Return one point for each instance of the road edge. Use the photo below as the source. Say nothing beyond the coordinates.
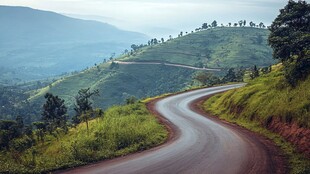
(280, 161)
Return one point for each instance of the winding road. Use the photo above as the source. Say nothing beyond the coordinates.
(200, 145)
(167, 64)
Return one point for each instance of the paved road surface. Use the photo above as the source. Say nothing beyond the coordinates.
(167, 64)
(201, 146)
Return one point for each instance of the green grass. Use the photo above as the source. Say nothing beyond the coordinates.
(263, 98)
(116, 85)
(122, 130)
(144, 81)
(219, 47)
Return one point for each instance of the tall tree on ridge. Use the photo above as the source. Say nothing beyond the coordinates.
(289, 39)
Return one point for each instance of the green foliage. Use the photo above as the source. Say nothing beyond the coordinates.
(123, 130)
(217, 47)
(213, 48)
(114, 65)
(8, 131)
(214, 24)
(83, 106)
(234, 75)
(254, 72)
(54, 113)
(13, 102)
(289, 38)
(266, 70)
(265, 97)
(131, 100)
(21, 144)
(206, 78)
(269, 95)
(204, 26)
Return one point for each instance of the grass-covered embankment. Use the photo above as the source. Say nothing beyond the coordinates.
(269, 106)
(122, 130)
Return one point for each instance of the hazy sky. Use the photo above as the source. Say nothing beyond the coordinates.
(159, 17)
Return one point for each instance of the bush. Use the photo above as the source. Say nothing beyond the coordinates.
(21, 144)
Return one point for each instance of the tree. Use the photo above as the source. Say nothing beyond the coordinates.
(83, 105)
(214, 24)
(240, 23)
(229, 24)
(181, 34)
(239, 74)
(41, 129)
(204, 26)
(20, 125)
(266, 70)
(254, 72)
(131, 100)
(230, 76)
(252, 24)
(244, 22)
(114, 65)
(134, 47)
(206, 78)
(8, 131)
(162, 40)
(289, 39)
(126, 51)
(54, 113)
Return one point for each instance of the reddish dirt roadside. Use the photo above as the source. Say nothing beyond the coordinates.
(280, 162)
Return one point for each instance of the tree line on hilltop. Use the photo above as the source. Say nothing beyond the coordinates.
(205, 26)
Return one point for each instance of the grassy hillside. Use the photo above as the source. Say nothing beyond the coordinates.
(270, 106)
(115, 85)
(123, 81)
(121, 130)
(218, 47)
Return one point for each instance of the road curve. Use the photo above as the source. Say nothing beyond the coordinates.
(202, 145)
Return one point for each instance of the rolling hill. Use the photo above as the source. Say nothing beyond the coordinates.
(36, 44)
(213, 48)
(118, 82)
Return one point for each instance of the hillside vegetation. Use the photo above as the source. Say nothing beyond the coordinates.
(116, 82)
(121, 130)
(270, 103)
(36, 44)
(224, 47)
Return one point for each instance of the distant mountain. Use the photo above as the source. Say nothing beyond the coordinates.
(154, 31)
(35, 44)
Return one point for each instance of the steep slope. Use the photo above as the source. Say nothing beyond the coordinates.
(117, 84)
(269, 102)
(213, 48)
(119, 81)
(35, 44)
